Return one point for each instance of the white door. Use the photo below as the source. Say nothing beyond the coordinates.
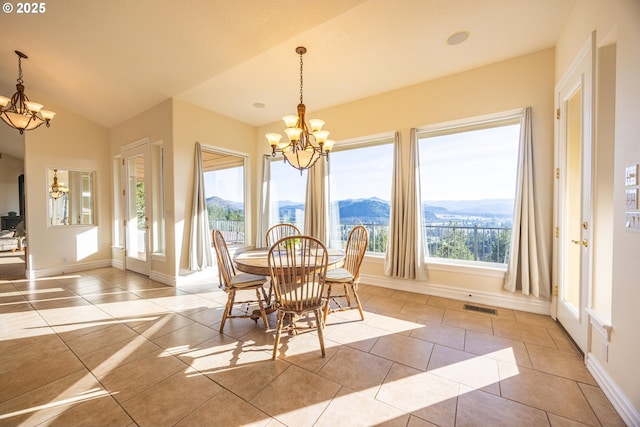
(136, 220)
(573, 197)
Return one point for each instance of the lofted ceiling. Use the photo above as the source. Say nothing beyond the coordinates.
(110, 60)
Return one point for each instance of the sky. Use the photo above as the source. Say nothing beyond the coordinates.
(485, 164)
(227, 184)
(287, 183)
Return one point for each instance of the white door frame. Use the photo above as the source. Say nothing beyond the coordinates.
(580, 75)
(132, 150)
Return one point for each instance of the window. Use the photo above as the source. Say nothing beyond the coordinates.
(468, 182)
(75, 204)
(287, 197)
(360, 191)
(224, 193)
(157, 199)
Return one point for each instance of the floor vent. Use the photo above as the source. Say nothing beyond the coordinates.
(480, 309)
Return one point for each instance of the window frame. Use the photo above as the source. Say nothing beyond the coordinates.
(246, 188)
(279, 158)
(494, 120)
(386, 138)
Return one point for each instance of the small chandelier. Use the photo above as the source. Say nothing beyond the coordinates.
(305, 146)
(20, 113)
(57, 189)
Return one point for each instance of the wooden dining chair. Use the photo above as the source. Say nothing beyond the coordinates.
(279, 231)
(347, 277)
(232, 281)
(298, 265)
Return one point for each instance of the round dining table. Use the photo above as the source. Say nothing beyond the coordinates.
(255, 260)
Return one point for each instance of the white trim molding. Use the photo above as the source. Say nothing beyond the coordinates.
(598, 325)
(504, 300)
(616, 396)
(163, 278)
(69, 268)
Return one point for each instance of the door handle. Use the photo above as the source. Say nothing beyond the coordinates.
(584, 242)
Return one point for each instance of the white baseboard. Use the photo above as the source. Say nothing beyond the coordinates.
(618, 399)
(515, 301)
(68, 268)
(115, 263)
(163, 278)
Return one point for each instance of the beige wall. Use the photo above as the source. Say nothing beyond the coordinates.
(155, 125)
(10, 169)
(75, 143)
(615, 22)
(516, 83)
(194, 124)
(178, 125)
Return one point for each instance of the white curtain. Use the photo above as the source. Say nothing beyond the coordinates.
(264, 213)
(404, 257)
(528, 268)
(200, 237)
(316, 206)
(414, 247)
(395, 244)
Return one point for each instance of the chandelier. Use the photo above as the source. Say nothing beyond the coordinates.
(306, 143)
(20, 113)
(57, 189)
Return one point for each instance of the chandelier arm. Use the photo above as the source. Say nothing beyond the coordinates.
(18, 100)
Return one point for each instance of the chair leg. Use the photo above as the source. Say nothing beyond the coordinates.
(355, 295)
(346, 296)
(267, 298)
(232, 300)
(326, 305)
(320, 324)
(262, 311)
(278, 330)
(227, 309)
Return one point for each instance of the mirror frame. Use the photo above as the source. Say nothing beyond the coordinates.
(78, 204)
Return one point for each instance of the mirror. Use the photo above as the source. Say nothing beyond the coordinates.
(70, 197)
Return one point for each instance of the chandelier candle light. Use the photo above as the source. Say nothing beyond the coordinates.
(20, 113)
(305, 146)
(57, 189)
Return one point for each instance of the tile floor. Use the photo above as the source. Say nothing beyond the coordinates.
(113, 348)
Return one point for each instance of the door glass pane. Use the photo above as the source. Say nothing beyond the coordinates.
(136, 215)
(574, 198)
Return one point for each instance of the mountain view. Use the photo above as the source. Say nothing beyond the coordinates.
(488, 212)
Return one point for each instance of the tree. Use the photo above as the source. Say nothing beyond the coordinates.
(140, 205)
(452, 244)
(500, 246)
